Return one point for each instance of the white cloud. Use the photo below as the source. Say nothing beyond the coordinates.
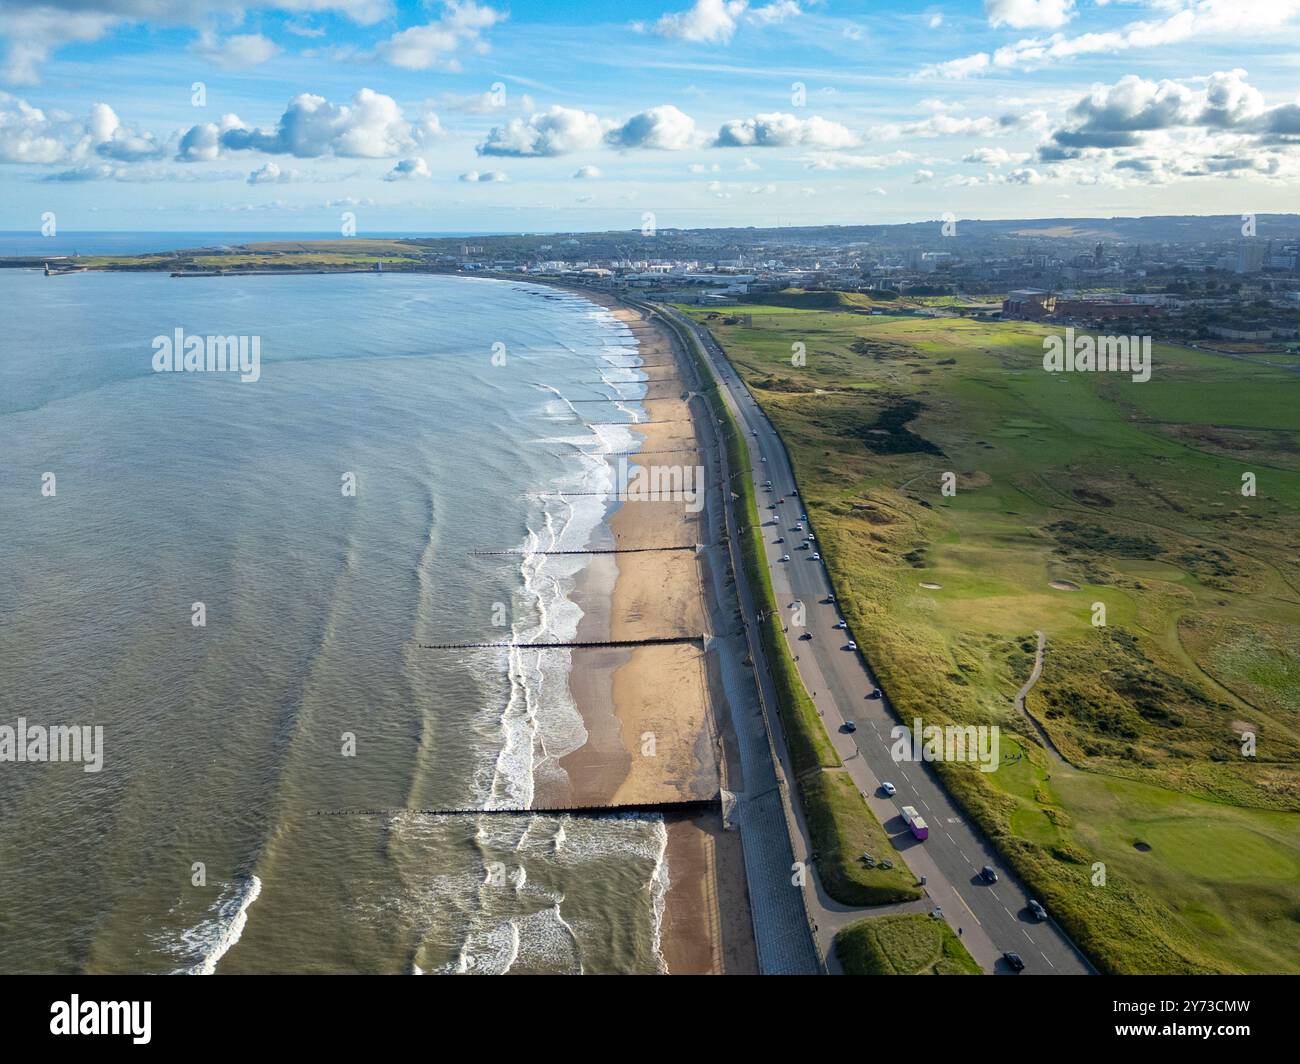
(408, 170)
(994, 157)
(587, 173)
(840, 161)
(1025, 176)
(475, 176)
(663, 127)
(1236, 20)
(34, 31)
(271, 174)
(552, 132)
(237, 52)
(372, 126)
(716, 21)
(1029, 14)
(1161, 131)
(709, 21)
(784, 130)
(30, 135)
(775, 12)
(435, 44)
(957, 68)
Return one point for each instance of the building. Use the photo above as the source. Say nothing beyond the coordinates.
(1250, 257)
(1029, 303)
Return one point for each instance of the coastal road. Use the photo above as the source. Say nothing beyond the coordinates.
(993, 918)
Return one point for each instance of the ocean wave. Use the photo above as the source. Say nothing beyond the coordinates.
(213, 938)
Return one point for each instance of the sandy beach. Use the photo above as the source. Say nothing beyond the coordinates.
(656, 718)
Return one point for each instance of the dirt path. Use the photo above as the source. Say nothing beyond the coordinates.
(1023, 693)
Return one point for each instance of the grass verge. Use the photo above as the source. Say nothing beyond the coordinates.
(906, 944)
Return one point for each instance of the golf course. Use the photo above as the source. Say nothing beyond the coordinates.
(967, 500)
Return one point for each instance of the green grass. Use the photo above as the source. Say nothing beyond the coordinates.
(843, 828)
(905, 944)
(1131, 492)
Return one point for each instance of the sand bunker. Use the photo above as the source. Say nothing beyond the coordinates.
(1063, 585)
(929, 586)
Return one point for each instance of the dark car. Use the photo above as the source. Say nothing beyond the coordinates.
(1039, 912)
(1014, 961)
(849, 726)
(875, 693)
(989, 874)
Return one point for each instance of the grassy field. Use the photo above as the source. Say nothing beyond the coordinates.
(282, 255)
(1074, 493)
(907, 944)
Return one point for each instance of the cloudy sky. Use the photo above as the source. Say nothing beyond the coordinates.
(545, 115)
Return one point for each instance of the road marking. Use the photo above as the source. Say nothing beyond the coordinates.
(1026, 934)
(925, 803)
(994, 893)
(966, 859)
(968, 908)
(1008, 911)
(1046, 957)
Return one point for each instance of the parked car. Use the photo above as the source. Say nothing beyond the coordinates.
(816, 557)
(1039, 912)
(798, 527)
(853, 645)
(936, 913)
(841, 624)
(888, 788)
(849, 726)
(989, 874)
(874, 693)
(1013, 961)
(785, 557)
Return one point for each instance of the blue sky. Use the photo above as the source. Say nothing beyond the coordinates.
(572, 115)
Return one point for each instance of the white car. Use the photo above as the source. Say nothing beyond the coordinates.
(853, 645)
(785, 557)
(888, 788)
(762, 458)
(816, 557)
(841, 624)
(798, 528)
(811, 536)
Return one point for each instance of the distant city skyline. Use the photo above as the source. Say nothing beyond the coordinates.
(170, 115)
